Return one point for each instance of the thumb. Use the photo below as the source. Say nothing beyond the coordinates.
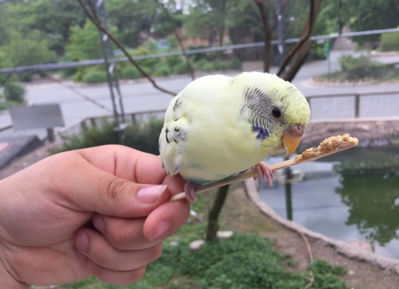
(90, 189)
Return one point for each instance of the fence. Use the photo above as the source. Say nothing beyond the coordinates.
(355, 105)
(324, 107)
(66, 65)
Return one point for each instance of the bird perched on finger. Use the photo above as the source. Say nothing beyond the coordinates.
(218, 126)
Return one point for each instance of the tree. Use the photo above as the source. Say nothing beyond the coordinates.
(207, 19)
(52, 18)
(360, 15)
(84, 43)
(29, 50)
(133, 19)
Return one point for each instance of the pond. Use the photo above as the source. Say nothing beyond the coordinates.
(346, 196)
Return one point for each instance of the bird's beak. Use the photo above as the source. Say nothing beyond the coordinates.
(291, 138)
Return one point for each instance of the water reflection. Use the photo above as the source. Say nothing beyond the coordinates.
(371, 195)
(346, 197)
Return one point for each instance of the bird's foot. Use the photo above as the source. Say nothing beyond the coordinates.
(264, 171)
(190, 190)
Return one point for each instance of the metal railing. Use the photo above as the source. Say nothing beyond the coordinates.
(65, 65)
(391, 104)
(136, 117)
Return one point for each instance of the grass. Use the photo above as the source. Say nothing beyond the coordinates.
(243, 261)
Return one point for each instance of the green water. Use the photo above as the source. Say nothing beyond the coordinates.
(369, 187)
(350, 195)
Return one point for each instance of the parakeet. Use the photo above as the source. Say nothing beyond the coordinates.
(218, 126)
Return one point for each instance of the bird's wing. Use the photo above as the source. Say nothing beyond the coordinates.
(191, 102)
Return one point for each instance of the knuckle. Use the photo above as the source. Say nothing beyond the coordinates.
(137, 275)
(114, 187)
(118, 237)
(157, 252)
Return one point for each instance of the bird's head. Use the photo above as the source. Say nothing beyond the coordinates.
(275, 108)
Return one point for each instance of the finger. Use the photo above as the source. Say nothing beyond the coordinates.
(87, 188)
(127, 163)
(119, 278)
(165, 220)
(131, 164)
(100, 252)
(123, 234)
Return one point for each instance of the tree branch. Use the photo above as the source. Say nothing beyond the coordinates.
(179, 39)
(96, 21)
(267, 33)
(301, 49)
(304, 38)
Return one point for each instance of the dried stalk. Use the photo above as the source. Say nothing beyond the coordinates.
(96, 21)
(310, 256)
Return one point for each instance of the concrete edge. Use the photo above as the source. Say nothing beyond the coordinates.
(344, 248)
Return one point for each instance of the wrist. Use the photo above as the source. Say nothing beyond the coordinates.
(7, 280)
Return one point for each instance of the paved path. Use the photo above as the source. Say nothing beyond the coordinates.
(79, 100)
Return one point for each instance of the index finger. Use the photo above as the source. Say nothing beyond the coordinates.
(133, 165)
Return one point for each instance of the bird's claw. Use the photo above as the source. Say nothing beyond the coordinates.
(264, 171)
(190, 190)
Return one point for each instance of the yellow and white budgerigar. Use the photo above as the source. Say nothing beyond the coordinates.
(218, 126)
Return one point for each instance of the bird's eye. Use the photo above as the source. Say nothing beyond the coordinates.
(276, 112)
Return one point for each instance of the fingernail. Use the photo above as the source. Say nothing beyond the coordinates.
(99, 224)
(82, 242)
(150, 194)
(160, 230)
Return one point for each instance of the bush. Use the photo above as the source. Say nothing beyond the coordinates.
(130, 72)
(389, 42)
(143, 137)
(204, 65)
(220, 65)
(94, 76)
(161, 69)
(357, 68)
(235, 63)
(14, 91)
(180, 68)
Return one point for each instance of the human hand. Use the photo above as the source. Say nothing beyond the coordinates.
(45, 211)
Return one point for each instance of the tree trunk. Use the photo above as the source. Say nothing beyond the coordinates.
(267, 35)
(213, 216)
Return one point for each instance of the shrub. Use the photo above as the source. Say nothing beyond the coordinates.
(94, 76)
(362, 67)
(204, 65)
(161, 69)
(389, 42)
(130, 72)
(220, 65)
(143, 137)
(235, 63)
(180, 68)
(14, 91)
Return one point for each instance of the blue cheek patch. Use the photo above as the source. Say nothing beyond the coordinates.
(262, 132)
